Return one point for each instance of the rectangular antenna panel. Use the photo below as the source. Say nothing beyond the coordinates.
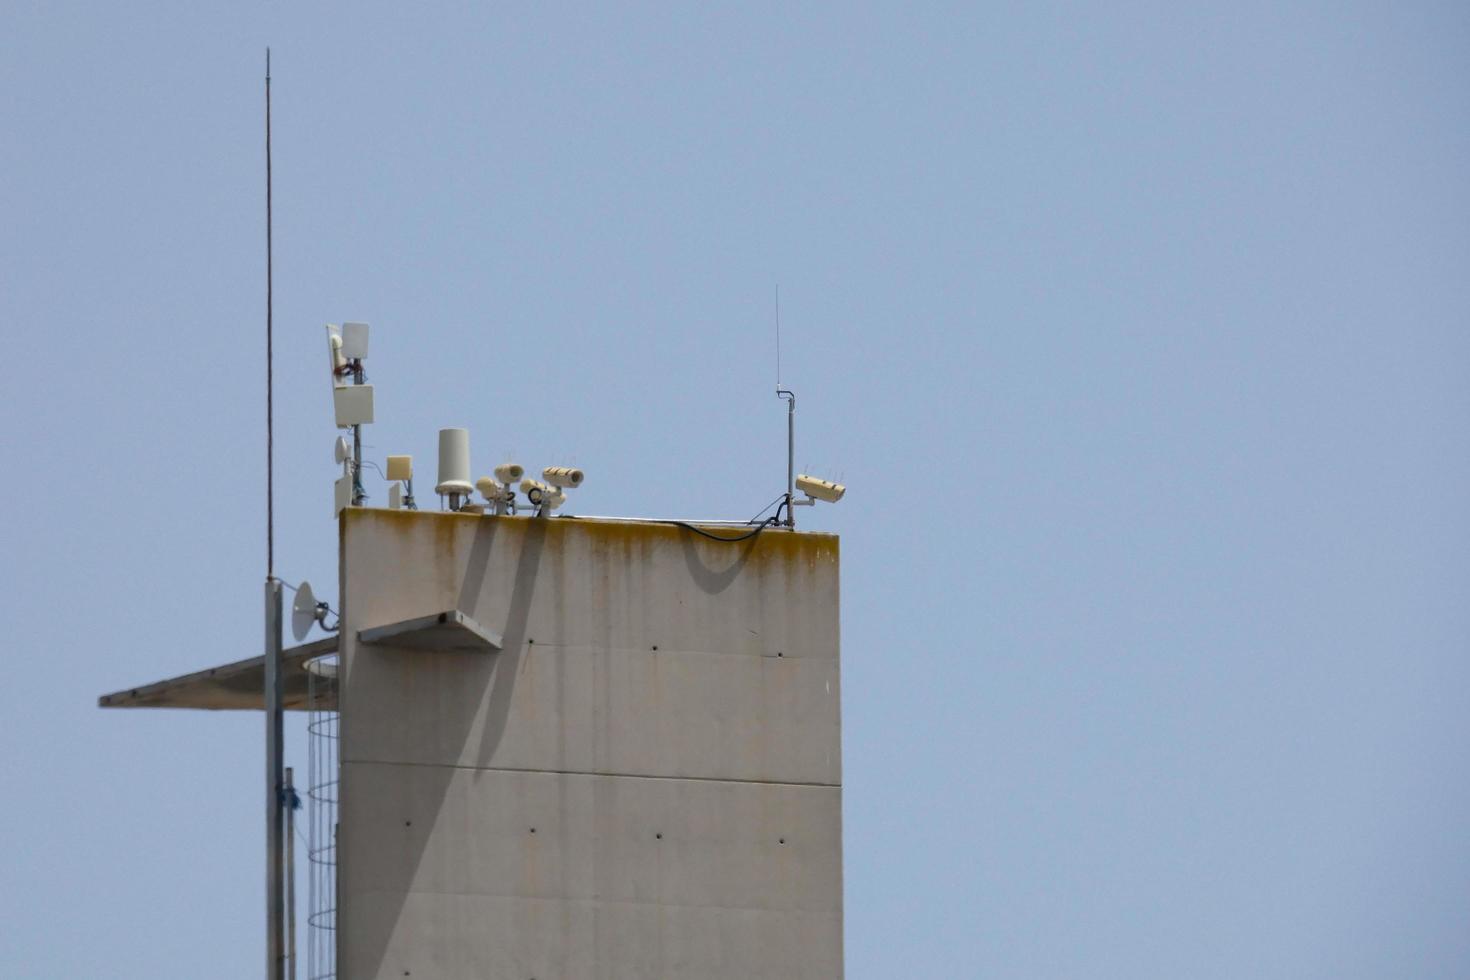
(354, 340)
(354, 405)
(342, 495)
(400, 467)
(395, 497)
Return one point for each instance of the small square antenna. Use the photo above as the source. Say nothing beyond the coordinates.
(354, 340)
(400, 467)
(353, 404)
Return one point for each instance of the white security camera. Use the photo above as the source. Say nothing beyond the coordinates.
(566, 477)
(820, 489)
(546, 498)
(502, 497)
(488, 488)
(509, 474)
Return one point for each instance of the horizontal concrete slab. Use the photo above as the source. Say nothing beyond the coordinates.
(238, 686)
(450, 631)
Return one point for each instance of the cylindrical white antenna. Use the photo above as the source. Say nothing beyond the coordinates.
(454, 465)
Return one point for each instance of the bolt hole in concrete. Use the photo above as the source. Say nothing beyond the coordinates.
(533, 830)
(408, 823)
(658, 836)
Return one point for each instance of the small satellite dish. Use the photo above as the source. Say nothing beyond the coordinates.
(342, 450)
(303, 612)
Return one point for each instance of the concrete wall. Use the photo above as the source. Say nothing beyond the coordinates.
(645, 782)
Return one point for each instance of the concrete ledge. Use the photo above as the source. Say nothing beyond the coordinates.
(450, 631)
(238, 686)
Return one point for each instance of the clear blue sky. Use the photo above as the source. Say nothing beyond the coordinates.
(1138, 332)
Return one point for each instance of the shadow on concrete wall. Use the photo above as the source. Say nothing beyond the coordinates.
(715, 565)
(432, 783)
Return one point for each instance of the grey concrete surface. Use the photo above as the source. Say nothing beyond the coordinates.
(645, 782)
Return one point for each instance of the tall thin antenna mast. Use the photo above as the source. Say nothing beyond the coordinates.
(275, 893)
(270, 447)
(790, 398)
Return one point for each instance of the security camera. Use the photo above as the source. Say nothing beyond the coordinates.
(562, 476)
(820, 489)
(509, 474)
(546, 498)
(502, 497)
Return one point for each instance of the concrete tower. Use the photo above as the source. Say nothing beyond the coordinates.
(575, 749)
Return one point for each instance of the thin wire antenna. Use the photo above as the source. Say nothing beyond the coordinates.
(270, 445)
(790, 399)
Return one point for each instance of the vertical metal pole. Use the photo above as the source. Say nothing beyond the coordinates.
(790, 454)
(274, 911)
(275, 903)
(290, 807)
(359, 495)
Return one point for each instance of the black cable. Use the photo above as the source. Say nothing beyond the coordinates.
(720, 537)
(767, 507)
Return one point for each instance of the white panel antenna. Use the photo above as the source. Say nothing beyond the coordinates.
(354, 341)
(352, 399)
(353, 405)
